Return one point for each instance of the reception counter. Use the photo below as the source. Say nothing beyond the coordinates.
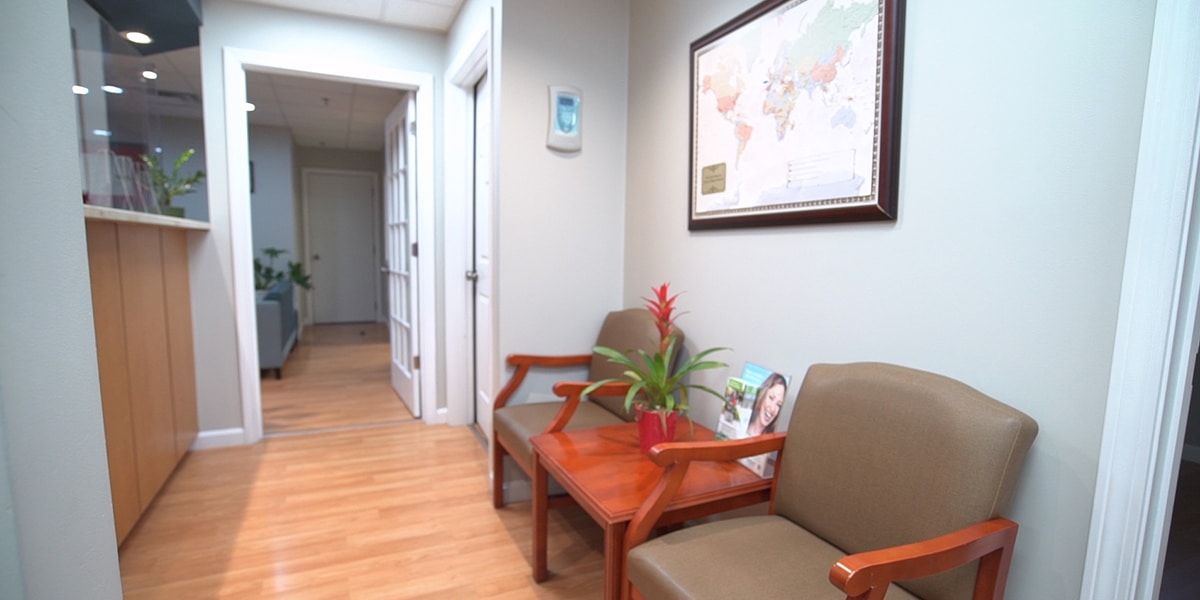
(142, 303)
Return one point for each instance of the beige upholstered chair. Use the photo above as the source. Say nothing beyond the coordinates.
(905, 471)
(512, 426)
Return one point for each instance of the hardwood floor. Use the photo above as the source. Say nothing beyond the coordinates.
(397, 512)
(339, 376)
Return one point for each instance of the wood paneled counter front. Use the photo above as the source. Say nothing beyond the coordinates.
(141, 301)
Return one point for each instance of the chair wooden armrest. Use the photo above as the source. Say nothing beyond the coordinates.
(868, 574)
(572, 394)
(675, 458)
(523, 362)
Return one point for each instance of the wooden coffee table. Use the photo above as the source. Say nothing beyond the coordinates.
(605, 472)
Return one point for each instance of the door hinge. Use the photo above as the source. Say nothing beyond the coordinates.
(412, 128)
(414, 249)
(416, 362)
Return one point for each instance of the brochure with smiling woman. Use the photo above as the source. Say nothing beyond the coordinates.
(753, 404)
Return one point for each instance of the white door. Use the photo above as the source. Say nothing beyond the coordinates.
(342, 257)
(481, 271)
(400, 233)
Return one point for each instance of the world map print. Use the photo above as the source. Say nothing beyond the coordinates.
(785, 110)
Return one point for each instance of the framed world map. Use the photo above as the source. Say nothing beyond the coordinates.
(795, 115)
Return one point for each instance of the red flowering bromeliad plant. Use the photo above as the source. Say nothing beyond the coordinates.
(654, 386)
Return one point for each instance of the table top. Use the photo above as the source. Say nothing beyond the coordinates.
(605, 471)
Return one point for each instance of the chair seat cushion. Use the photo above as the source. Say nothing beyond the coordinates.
(749, 557)
(514, 425)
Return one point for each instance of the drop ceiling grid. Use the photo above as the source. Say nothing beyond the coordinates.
(436, 15)
(297, 103)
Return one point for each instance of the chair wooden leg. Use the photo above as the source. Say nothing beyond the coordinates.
(992, 576)
(497, 473)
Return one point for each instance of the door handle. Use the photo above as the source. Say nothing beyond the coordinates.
(472, 276)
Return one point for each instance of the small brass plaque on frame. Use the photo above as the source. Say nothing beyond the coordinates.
(712, 179)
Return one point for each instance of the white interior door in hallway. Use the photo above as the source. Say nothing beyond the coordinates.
(481, 271)
(342, 226)
(400, 234)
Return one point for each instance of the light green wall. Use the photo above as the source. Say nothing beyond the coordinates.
(273, 212)
(1020, 125)
(56, 527)
(12, 584)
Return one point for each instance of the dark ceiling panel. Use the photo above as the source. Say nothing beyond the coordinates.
(173, 24)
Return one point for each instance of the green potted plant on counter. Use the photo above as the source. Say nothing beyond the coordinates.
(166, 185)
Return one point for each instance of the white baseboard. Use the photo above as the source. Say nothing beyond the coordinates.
(219, 438)
(1191, 453)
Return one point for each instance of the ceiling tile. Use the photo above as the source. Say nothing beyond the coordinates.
(365, 143)
(376, 105)
(358, 9)
(365, 129)
(367, 91)
(422, 15)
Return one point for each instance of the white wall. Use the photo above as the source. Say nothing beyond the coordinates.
(320, 40)
(56, 526)
(1004, 269)
(560, 216)
(348, 160)
(272, 203)
(325, 158)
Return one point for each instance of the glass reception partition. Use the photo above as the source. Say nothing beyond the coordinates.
(136, 114)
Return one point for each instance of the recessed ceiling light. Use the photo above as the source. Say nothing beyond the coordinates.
(102, 132)
(112, 89)
(250, 107)
(79, 90)
(148, 74)
(137, 37)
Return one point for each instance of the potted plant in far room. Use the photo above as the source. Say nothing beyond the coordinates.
(266, 275)
(658, 393)
(166, 185)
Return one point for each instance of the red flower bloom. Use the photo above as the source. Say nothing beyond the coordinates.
(662, 307)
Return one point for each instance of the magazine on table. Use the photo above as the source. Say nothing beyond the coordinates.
(752, 405)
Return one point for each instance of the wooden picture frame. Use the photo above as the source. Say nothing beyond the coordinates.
(795, 115)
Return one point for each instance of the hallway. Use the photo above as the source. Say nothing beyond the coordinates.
(337, 377)
(373, 505)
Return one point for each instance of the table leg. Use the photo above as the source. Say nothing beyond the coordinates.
(614, 560)
(540, 497)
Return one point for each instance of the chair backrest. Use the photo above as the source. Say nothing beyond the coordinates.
(879, 455)
(626, 330)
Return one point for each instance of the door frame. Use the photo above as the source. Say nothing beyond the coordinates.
(1156, 339)
(459, 159)
(376, 228)
(237, 151)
